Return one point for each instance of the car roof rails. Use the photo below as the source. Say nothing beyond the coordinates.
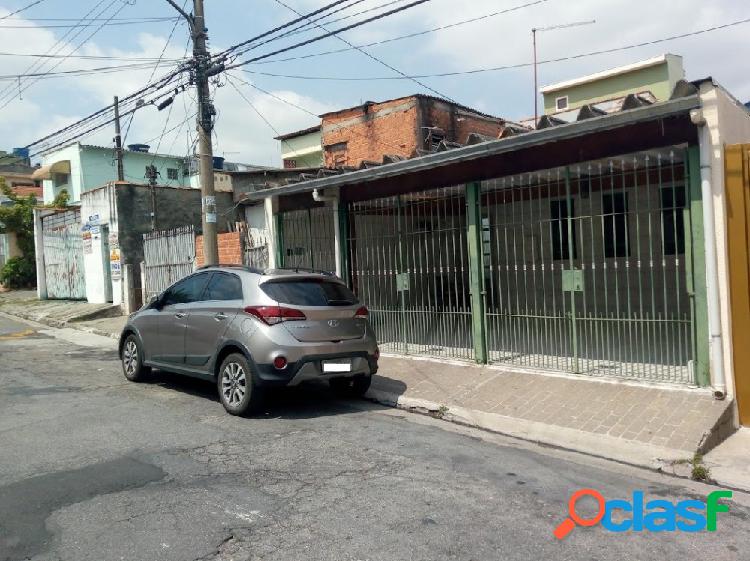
(231, 266)
(302, 270)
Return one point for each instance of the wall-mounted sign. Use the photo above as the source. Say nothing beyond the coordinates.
(115, 264)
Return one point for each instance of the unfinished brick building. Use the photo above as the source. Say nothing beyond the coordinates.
(405, 128)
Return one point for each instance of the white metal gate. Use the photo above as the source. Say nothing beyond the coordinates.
(63, 262)
(169, 255)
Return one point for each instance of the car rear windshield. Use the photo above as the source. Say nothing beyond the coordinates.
(309, 292)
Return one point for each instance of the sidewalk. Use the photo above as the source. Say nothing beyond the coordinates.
(659, 427)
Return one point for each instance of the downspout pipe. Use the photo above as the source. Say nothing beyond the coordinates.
(716, 348)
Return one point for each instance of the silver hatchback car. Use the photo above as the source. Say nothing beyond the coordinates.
(247, 330)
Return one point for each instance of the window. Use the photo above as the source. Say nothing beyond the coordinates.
(186, 291)
(673, 219)
(615, 216)
(290, 163)
(561, 226)
(310, 292)
(338, 153)
(561, 103)
(61, 179)
(224, 287)
(173, 173)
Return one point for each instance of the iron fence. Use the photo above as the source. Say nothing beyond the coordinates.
(307, 239)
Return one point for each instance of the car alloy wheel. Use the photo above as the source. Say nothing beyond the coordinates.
(233, 384)
(130, 358)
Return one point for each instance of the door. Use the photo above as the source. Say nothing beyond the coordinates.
(173, 318)
(209, 318)
(738, 235)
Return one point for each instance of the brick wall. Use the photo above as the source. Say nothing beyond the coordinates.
(230, 249)
(385, 128)
(395, 128)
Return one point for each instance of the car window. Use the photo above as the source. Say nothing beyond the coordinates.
(186, 291)
(224, 286)
(309, 292)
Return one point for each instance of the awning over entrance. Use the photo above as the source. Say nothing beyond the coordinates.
(46, 172)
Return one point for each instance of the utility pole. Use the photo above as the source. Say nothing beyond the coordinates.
(203, 71)
(118, 143)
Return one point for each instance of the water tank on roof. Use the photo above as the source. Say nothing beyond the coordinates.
(138, 147)
(22, 153)
(218, 162)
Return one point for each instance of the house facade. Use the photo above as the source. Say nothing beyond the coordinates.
(78, 168)
(653, 80)
(402, 128)
(302, 149)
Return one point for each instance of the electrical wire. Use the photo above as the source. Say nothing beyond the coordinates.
(506, 67)
(415, 34)
(329, 34)
(85, 71)
(376, 59)
(90, 57)
(110, 24)
(7, 99)
(18, 11)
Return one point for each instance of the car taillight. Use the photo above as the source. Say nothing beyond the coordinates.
(272, 315)
(362, 313)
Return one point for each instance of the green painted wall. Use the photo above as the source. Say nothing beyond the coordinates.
(655, 79)
(306, 150)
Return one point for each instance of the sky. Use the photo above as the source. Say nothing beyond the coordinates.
(249, 119)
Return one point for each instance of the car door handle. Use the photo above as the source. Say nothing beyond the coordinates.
(180, 315)
(220, 316)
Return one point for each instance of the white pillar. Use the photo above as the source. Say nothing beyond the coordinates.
(271, 210)
(41, 276)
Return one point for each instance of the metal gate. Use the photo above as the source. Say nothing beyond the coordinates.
(169, 255)
(587, 268)
(408, 261)
(308, 239)
(63, 261)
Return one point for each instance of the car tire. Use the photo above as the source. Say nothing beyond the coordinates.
(238, 392)
(132, 360)
(351, 387)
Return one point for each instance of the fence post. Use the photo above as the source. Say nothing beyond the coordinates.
(698, 270)
(342, 239)
(144, 293)
(476, 269)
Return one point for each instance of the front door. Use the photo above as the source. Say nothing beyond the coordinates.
(173, 318)
(738, 236)
(209, 318)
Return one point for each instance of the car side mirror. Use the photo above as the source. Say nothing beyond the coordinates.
(155, 302)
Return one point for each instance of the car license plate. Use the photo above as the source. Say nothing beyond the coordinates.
(337, 366)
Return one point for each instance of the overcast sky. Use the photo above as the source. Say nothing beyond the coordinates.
(243, 135)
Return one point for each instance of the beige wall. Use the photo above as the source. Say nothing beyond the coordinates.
(729, 123)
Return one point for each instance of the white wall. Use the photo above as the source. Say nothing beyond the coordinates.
(100, 202)
(729, 123)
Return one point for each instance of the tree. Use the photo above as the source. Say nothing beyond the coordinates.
(18, 218)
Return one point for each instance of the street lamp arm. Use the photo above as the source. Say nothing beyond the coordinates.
(182, 12)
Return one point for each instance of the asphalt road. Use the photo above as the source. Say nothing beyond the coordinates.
(93, 467)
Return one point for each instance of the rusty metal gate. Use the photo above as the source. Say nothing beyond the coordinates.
(587, 268)
(63, 256)
(408, 261)
(169, 255)
(307, 239)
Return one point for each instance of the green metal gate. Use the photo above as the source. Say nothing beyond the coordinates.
(408, 261)
(587, 268)
(307, 239)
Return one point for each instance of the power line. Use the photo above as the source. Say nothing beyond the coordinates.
(416, 34)
(3, 93)
(18, 11)
(110, 24)
(376, 59)
(85, 71)
(329, 34)
(506, 67)
(88, 57)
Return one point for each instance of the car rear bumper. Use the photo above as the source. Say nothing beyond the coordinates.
(311, 368)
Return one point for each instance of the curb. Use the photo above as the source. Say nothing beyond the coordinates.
(652, 458)
(59, 324)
